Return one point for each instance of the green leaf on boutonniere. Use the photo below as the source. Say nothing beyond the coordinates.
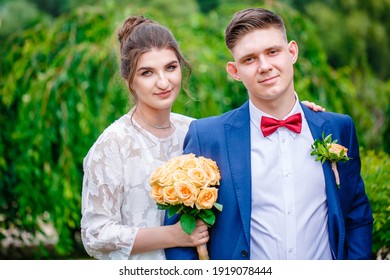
(328, 138)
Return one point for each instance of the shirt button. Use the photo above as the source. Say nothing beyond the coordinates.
(290, 250)
(244, 253)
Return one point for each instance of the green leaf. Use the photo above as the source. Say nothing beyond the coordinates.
(218, 206)
(188, 223)
(173, 209)
(193, 211)
(333, 157)
(162, 206)
(207, 216)
(322, 150)
(328, 138)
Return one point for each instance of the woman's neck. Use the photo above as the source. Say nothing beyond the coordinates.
(157, 123)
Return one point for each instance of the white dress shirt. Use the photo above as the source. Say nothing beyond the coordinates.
(289, 209)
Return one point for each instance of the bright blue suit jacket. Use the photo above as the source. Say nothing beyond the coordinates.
(226, 139)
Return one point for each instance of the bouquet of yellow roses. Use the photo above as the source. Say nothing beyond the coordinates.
(185, 185)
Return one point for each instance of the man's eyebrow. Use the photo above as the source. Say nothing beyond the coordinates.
(245, 56)
(251, 54)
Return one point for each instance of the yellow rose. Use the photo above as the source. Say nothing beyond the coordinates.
(186, 156)
(157, 194)
(198, 177)
(206, 198)
(212, 175)
(188, 163)
(155, 176)
(166, 178)
(186, 192)
(170, 196)
(179, 175)
(336, 149)
(211, 170)
(173, 164)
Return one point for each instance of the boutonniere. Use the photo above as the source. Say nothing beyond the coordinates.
(326, 149)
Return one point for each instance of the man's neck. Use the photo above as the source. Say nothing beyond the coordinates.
(278, 108)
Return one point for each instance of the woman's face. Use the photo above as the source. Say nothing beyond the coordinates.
(157, 80)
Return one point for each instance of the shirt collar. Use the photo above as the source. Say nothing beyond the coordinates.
(256, 114)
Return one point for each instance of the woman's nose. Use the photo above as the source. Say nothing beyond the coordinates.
(162, 82)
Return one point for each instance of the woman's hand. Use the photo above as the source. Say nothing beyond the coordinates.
(199, 236)
(313, 106)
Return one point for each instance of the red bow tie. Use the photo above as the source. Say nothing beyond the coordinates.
(270, 125)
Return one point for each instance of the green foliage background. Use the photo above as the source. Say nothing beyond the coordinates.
(60, 87)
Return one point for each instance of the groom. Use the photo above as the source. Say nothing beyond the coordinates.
(279, 203)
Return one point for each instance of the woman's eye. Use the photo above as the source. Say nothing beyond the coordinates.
(147, 73)
(171, 67)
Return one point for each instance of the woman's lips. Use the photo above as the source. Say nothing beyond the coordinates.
(164, 94)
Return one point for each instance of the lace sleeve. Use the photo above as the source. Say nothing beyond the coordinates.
(103, 233)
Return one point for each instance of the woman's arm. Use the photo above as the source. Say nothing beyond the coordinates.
(149, 239)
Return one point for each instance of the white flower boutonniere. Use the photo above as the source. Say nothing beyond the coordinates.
(326, 149)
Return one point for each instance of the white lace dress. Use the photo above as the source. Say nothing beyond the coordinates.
(115, 195)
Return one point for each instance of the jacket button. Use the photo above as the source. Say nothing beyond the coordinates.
(244, 253)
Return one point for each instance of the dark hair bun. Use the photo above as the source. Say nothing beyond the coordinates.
(129, 25)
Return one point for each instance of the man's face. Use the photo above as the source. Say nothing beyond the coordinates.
(263, 61)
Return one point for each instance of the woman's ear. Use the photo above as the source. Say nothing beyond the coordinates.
(232, 70)
(129, 86)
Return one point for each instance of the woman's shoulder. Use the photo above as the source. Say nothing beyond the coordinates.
(115, 129)
(181, 120)
(111, 135)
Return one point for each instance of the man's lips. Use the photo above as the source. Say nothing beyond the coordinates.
(268, 80)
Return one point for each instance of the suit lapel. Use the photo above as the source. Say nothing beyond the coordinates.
(237, 135)
(318, 126)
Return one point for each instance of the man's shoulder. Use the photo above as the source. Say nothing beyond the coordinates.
(327, 116)
(224, 118)
(334, 115)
